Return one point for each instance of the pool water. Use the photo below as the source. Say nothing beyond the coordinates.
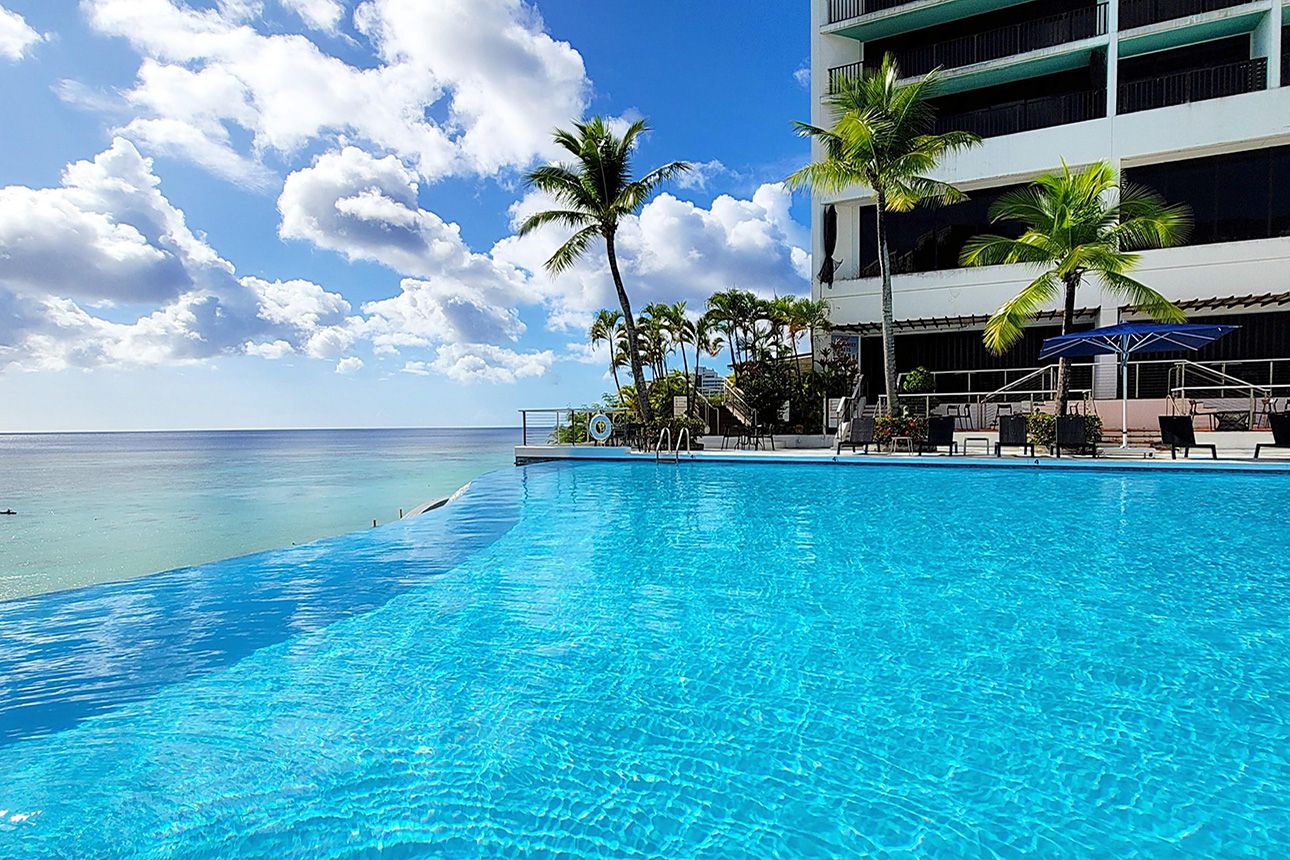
(630, 660)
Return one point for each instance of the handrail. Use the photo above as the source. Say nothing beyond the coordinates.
(658, 448)
(1193, 85)
(684, 434)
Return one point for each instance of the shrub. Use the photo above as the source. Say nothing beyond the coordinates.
(918, 381)
(1042, 429)
(887, 427)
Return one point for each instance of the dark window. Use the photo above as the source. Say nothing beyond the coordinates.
(929, 239)
(1245, 195)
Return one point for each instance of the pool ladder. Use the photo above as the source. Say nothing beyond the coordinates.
(666, 433)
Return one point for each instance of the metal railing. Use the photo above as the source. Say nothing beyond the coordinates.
(845, 10)
(1027, 114)
(838, 74)
(1194, 85)
(547, 426)
(1140, 13)
(1007, 41)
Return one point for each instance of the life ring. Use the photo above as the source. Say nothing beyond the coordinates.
(599, 427)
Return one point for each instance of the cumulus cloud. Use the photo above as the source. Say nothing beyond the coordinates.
(323, 15)
(16, 36)
(366, 208)
(349, 365)
(103, 269)
(460, 86)
(482, 362)
(673, 250)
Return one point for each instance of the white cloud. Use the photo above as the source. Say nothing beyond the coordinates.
(349, 365)
(701, 173)
(323, 15)
(461, 86)
(425, 313)
(16, 35)
(481, 362)
(272, 350)
(803, 75)
(366, 208)
(674, 250)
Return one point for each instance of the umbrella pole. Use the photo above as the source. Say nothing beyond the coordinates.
(1124, 399)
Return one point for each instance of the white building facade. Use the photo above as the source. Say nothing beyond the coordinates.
(1183, 96)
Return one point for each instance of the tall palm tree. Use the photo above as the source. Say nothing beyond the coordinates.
(595, 192)
(681, 331)
(730, 310)
(707, 339)
(1077, 224)
(884, 137)
(604, 329)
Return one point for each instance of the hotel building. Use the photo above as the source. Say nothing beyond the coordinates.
(1183, 96)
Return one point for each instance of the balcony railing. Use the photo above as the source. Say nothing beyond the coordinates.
(1194, 85)
(845, 10)
(839, 74)
(1027, 115)
(1008, 41)
(1140, 13)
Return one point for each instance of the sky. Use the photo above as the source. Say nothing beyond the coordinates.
(302, 213)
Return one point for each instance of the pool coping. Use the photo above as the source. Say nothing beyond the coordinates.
(527, 454)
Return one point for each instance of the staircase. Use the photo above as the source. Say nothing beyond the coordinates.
(733, 399)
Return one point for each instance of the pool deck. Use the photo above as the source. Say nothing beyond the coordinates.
(1234, 454)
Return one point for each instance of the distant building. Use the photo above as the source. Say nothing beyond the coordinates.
(1185, 97)
(709, 382)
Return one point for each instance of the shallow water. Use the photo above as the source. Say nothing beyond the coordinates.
(94, 507)
(719, 659)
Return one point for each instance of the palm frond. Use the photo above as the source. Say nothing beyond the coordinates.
(1008, 323)
(568, 254)
(1142, 297)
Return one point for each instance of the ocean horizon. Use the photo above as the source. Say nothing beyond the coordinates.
(98, 506)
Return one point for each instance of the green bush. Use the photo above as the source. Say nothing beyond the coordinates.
(1042, 429)
(918, 381)
(887, 427)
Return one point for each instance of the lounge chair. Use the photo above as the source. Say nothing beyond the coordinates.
(940, 433)
(1178, 431)
(1280, 422)
(1072, 434)
(1014, 432)
(859, 431)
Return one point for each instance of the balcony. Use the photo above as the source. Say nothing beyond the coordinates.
(1141, 13)
(1007, 41)
(1027, 114)
(845, 10)
(1193, 85)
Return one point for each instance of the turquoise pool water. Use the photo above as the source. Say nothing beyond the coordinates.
(628, 660)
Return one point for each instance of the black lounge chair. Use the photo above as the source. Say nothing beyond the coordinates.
(1178, 431)
(1014, 432)
(1280, 422)
(1072, 434)
(859, 432)
(940, 433)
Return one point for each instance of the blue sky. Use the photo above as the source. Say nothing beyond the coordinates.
(293, 213)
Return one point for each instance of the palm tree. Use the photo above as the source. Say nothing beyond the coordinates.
(595, 192)
(884, 138)
(1076, 226)
(604, 329)
(807, 316)
(681, 331)
(707, 339)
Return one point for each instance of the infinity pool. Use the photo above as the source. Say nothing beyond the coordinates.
(623, 660)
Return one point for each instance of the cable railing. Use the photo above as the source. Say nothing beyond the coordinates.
(1007, 41)
(1140, 13)
(845, 10)
(1193, 85)
(1027, 114)
(568, 425)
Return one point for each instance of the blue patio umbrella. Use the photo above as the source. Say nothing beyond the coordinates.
(1126, 339)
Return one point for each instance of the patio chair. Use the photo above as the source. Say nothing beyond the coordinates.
(859, 432)
(1072, 434)
(1178, 431)
(1280, 422)
(1014, 432)
(940, 433)
(733, 430)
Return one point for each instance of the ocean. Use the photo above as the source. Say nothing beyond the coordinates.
(94, 507)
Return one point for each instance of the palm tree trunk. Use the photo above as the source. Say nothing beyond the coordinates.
(888, 314)
(1064, 364)
(613, 368)
(629, 322)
